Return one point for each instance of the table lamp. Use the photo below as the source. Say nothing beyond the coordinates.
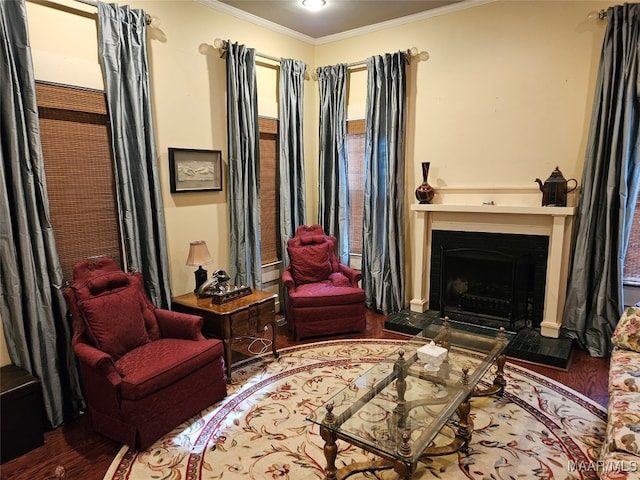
(198, 256)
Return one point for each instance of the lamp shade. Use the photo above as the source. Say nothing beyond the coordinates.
(199, 254)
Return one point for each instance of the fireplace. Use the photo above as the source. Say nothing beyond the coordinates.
(489, 278)
(512, 212)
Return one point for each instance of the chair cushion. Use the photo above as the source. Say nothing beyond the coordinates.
(624, 370)
(339, 279)
(627, 332)
(624, 418)
(325, 293)
(155, 365)
(114, 321)
(311, 239)
(310, 263)
(109, 281)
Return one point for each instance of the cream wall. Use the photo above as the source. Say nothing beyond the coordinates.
(504, 97)
(189, 103)
(188, 82)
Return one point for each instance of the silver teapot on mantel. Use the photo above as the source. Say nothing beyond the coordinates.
(555, 189)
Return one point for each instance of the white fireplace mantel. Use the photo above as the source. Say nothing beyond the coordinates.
(554, 222)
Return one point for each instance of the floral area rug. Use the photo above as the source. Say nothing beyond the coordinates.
(538, 429)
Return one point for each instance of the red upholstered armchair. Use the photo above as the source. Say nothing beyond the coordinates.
(144, 370)
(323, 296)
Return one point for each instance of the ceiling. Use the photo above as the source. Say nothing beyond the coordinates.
(336, 17)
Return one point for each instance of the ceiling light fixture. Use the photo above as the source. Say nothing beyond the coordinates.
(314, 4)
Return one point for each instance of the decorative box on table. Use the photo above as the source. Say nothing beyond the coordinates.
(219, 298)
(432, 355)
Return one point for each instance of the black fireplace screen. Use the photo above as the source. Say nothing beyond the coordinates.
(494, 279)
(485, 282)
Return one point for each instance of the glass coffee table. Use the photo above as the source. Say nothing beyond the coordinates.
(396, 408)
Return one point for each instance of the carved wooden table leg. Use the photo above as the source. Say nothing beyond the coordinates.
(404, 469)
(400, 368)
(499, 382)
(465, 427)
(330, 452)
(330, 447)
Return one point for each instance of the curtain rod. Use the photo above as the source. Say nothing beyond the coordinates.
(147, 18)
(411, 52)
(223, 45)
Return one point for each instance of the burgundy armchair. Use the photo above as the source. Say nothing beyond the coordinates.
(323, 296)
(144, 370)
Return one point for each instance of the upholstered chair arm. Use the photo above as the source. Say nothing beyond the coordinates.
(352, 274)
(98, 361)
(287, 280)
(179, 325)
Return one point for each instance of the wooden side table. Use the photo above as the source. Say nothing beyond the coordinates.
(246, 315)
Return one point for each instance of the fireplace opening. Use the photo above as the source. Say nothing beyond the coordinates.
(493, 279)
(476, 281)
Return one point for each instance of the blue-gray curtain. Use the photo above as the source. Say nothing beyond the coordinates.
(32, 306)
(291, 147)
(333, 201)
(609, 189)
(244, 166)
(383, 272)
(122, 44)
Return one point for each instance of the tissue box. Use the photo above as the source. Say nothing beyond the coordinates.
(432, 353)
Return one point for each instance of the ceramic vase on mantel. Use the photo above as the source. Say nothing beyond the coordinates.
(425, 193)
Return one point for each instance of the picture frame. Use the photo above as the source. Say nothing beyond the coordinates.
(193, 170)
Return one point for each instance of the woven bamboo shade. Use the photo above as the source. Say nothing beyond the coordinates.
(355, 173)
(632, 260)
(269, 197)
(79, 169)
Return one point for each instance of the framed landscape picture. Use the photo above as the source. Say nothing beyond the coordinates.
(195, 170)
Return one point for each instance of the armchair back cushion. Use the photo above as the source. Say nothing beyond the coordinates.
(310, 263)
(115, 337)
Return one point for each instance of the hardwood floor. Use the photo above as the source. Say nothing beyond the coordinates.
(86, 455)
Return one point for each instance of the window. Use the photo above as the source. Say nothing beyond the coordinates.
(355, 174)
(78, 165)
(269, 198)
(632, 260)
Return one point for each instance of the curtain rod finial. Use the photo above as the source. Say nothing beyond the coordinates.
(593, 16)
(152, 20)
(421, 56)
(221, 46)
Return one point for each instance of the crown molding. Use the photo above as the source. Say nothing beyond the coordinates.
(241, 14)
(435, 12)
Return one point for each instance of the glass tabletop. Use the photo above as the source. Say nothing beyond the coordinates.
(413, 392)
